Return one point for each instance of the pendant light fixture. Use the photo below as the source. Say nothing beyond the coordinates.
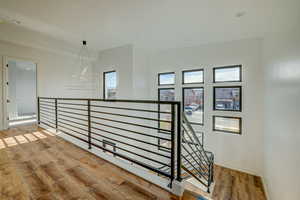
(84, 61)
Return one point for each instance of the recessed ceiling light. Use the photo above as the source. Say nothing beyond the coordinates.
(240, 14)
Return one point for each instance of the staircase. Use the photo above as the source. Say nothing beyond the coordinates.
(196, 161)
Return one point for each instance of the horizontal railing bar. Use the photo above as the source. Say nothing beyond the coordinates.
(47, 103)
(85, 120)
(132, 109)
(73, 104)
(130, 138)
(52, 114)
(52, 109)
(133, 124)
(130, 116)
(73, 126)
(116, 100)
(162, 148)
(73, 130)
(47, 124)
(147, 158)
(72, 113)
(72, 108)
(123, 129)
(50, 106)
(72, 121)
(47, 117)
(43, 101)
(48, 121)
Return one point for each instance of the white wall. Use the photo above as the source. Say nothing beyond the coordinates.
(282, 115)
(137, 71)
(54, 72)
(243, 152)
(121, 60)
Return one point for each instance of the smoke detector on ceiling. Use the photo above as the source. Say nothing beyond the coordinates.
(240, 14)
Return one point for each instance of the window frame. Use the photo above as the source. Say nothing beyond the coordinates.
(158, 78)
(225, 131)
(200, 87)
(192, 70)
(214, 98)
(104, 81)
(226, 67)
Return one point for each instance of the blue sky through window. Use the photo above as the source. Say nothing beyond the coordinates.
(167, 79)
(111, 80)
(227, 74)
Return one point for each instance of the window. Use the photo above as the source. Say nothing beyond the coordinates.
(192, 76)
(193, 104)
(227, 124)
(164, 94)
(166, 78)
(109, 84)
(228, 98)
(228, 74)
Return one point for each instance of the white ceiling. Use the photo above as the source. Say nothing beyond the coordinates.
(150, 23)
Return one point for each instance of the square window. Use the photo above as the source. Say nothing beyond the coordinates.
(109, 85)
(192, 76)
(228, 98)
(193, 104)
(227, 124)
(166, 78)
(228, 74)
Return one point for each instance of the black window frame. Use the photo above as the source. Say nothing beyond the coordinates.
(214, 98)
(158, 116)
(158, 79)
(226, 131)
(226, 67)
(192, 70)
(104, 80)
(200, 87)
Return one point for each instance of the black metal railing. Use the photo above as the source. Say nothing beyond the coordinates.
(196, 161)
(127, 129)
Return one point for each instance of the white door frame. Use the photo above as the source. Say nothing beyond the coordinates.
(6, 86)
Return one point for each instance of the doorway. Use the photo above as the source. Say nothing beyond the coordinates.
(21, 87)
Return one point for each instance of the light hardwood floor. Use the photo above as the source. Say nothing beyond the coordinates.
(37, 165)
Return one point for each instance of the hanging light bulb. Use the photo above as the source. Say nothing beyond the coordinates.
(84, 61)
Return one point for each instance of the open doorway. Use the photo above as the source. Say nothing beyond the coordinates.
(21, 103)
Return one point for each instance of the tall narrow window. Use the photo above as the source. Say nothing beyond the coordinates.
(192, 76)
(109, 85)
(166, 78)
(193, 103)
(164, 94)
(228, 74)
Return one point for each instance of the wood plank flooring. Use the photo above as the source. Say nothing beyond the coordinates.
(37, 165)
